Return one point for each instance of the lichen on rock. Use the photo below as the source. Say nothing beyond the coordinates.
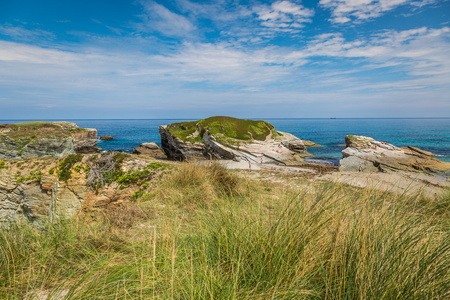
(368, 155)
(36, 139)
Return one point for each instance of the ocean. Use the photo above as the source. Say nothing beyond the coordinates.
(428, 134)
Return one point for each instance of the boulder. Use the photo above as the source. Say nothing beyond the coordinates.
(106, 138)
(150, 149)
(231, 139)
(310, 144)
(36, 139)
(374, 156)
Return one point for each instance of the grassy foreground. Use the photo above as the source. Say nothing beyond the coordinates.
(207, 233)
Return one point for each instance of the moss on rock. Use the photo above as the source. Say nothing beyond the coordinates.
(224, 129)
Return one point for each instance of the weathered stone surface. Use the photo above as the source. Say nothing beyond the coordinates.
(277, 147)
(32, 198)
(176, 149)
(375, 156)
(150, 149)
(310, 144)
(37, 139)
(106, 138)
(294, 145)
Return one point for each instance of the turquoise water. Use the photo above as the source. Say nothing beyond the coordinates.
(428, 134)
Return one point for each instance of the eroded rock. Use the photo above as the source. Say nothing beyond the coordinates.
(150, 149)
(32, 189)
(374, 156)
(37, 139)
(106, 138)
(231, 139)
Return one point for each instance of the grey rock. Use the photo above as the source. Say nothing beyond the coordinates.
(176, 149)
(375, 156)
(150, 149)
(57, 140)
(284, 149)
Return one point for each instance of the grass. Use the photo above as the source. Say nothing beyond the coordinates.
(225, 129)
(207, 233)
(24, 133)
(65, 166)
(35, 124)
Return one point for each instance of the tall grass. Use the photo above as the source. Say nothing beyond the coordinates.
(320, 241)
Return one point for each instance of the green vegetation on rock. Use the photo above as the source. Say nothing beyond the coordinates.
(26, 132)
(225, 129)
(34, 175)
(35, 124)
(65, 166)
(113, 164)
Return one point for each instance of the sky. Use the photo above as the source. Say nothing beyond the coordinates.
(153, 59)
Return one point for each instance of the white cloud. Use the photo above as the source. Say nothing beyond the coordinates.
(23, 53)
(23, 34)
(421, 54)
(344, 11)
(94, 76)
(159, 18)
(284, 16)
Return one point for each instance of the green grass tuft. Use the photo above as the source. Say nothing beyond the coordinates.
(65, 166)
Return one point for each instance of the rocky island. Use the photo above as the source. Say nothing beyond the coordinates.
(36, 139)
(232, 139)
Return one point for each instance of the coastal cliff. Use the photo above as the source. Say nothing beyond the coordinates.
(36, 188)
(231, 139)
(374, 156)
(37, 139)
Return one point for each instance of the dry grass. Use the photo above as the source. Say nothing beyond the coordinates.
(207, 233)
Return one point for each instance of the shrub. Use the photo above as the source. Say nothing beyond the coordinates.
(65, 166)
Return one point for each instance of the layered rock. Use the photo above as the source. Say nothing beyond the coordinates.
(106, 138)
(36, 139)
(150, 149)
(374, 156)
(232, 139)
(33, 189)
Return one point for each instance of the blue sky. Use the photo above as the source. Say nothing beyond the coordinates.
(66, 59)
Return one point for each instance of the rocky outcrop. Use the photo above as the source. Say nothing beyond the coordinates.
(231, 139)
(310, 144)
(35, 199)
(106, 138)
(150, 149)
(177, 149)
(33, 189)
(374, 156)
(36, 139)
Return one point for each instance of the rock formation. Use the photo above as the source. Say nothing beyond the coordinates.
(375, 156)
(150, 149)
(106, 138)
(233, 139)
(36, 139)
(310, 144)
(37, 188)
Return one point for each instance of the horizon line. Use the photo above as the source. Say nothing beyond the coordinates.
(271, 118)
